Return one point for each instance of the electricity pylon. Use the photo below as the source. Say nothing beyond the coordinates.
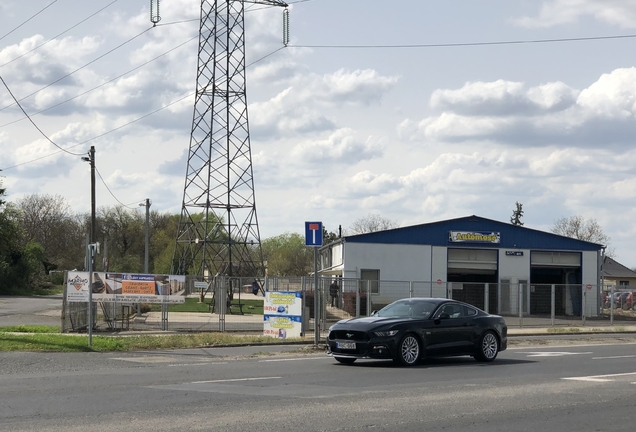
(218, 229)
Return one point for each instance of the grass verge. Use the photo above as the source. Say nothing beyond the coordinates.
(50, 342)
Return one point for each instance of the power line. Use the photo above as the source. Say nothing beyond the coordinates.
(32, 16)
(126, 124)
(104, 83)
(468, 44)
(111, 192)
(33, 123)
(80, 68)
(57, 36)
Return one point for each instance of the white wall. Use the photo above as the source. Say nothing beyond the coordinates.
(589, 276)
(396, 262)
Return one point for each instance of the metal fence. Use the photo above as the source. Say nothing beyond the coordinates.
(230, 304)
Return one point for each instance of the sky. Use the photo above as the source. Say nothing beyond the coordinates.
(358, 115)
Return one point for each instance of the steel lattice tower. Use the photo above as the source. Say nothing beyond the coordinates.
(218, 230)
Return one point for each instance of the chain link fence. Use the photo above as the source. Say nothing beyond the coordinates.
(226, 304)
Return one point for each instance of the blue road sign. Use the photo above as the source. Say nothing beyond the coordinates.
(313, 233)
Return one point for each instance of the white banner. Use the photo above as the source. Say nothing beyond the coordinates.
(283, 314)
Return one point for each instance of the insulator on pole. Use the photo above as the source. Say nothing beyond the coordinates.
(155, 17)
(286, 27)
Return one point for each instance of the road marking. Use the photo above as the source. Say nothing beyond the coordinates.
(573, 346)
(197, 364)
(599, 378)
(552, 353)
(292, 359)
(235, 379)
(613, 357)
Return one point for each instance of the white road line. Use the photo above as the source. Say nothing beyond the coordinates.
(567, 346)
(552, 353)
(613, 357)
(293, 359)
(599, 378)
(236, 379)
(197, 364)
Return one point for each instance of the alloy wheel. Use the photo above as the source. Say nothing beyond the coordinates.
(409, 350)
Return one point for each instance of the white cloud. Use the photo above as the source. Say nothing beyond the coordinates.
(341, 147)
(510, 114)
(558, 12)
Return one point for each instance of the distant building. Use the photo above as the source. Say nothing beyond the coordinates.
(617, 275)
(481, 261)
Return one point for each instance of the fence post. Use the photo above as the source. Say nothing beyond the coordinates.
(369, 303)
(486, 297)
(583, 303)
(520, 295)
(358, 301)
(410, 289)
(449, 294)
(220, 303)
(611, 300)
(431, 289)
(552, 303)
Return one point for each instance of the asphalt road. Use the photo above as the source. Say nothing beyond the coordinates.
(30, 310)
(563, 386)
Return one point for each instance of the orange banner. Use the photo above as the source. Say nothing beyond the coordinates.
(137, 287)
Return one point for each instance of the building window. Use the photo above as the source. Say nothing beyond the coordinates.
(623, 283)
(373, 278)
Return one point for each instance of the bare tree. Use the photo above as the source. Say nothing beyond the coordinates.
(587, 230)
(371, 223)
(49, 221)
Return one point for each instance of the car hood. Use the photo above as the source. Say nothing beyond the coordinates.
(367, 323)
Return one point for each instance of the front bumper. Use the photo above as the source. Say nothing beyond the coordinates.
(377, 348)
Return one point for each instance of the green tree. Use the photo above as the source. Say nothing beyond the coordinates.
(517, 214)
(287, 255)
(19, 265)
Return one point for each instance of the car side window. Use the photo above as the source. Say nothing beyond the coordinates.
(469, 312)
(453, 311)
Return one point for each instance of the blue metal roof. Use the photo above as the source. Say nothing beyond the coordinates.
(511, 236)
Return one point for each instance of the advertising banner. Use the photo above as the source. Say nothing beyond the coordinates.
(474, 237)
(282, 314)
(126, 287)
(77, 287)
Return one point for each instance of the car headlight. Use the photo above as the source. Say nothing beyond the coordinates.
(386, 333)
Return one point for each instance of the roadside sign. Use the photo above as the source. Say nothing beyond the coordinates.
(198, 284)
(313, 233)
(439, 281)
(589, 287)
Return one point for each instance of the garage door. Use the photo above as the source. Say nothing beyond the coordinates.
(555, 259)
(472, 259)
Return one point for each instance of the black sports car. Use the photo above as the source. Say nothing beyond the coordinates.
(410, 329)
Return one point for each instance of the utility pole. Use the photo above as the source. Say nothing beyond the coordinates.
(147, 205)
(91, 160)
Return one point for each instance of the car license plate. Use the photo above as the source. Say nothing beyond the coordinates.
(346, 345)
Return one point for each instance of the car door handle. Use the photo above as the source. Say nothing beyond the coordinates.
(466, 325)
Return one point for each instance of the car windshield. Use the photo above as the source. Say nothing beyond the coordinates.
(408, 308)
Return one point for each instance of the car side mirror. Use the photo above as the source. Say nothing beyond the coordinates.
(373, 313)
(442, 316)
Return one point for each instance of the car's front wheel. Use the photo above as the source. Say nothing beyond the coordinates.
(409, 350)
(488, 347)
(345, 360)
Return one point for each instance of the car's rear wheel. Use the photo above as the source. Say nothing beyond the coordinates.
(409, 350)
(625, 306)
(345, 360)
(488, 347)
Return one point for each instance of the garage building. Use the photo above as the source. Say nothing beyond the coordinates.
(487, 263)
